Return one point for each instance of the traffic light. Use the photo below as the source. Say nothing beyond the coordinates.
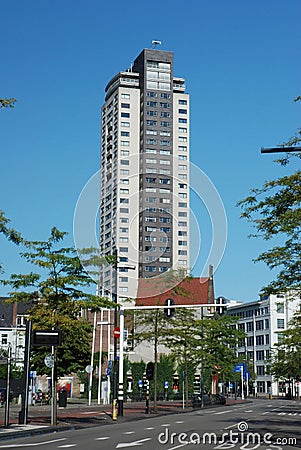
(169, 312)
(150, 370)
(197, 384)
(176, 382)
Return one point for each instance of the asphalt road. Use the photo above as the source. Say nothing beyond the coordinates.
(261, 424)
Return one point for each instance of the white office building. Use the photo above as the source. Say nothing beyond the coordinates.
(144, 205)
(263, 321)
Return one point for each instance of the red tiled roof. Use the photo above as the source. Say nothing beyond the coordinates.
(190, 291)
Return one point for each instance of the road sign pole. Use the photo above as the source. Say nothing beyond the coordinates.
(242, 382)
(120, 380)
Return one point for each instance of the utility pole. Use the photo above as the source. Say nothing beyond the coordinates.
(23, 415)
(280, 149)
(115, 300)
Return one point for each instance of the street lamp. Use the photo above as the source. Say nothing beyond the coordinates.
(101, 323)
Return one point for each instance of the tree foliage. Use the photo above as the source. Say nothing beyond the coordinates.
(7, 102)
(286, 356)
(59, 289)
(275, 211)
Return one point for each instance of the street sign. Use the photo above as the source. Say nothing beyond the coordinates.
(140, 383)
(49, 361)
(89, 369)
(116, 332)
(47, 338)
(165, 384)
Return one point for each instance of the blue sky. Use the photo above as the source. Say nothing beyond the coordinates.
(241, 61)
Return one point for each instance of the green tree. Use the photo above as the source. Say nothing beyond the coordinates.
(275, 211)
(286, 356)
(182, 340)
(60, 295)
(7, 102)
(10, 233)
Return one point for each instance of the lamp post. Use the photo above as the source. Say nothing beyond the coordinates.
(101, 323)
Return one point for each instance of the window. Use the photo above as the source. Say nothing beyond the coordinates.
(164, 200)
(151, 113)
(125, 115)
(165, 143)
(164, 181)
(182, 233)
(280, 323)
(150, 150)
(125, 95)
(182, 205)
(182, 262)
(182, 102)
(123, 259)
(183, 157)
(163, 269)
(124, 152)
(250, 341)
(125, 124)
(151, 123)
(124, 181)
(124, 172)
(151, 199)
(181, 195)
(182, 148)
(182, 167)
(260, 370)
(164, 133)
(4, 339)
(125, 143)
(150, 248)
(150, 238)
(280, 308)
(124, 210)
(249, 326)
(165, 114)
(164, 259)
(124, 240)
(183, 243)
(182, 111)
(123, 230)
(267, 339)
(182, 120)
(125, 133)
(150, 219)
(182, 186)
(182, 130)
(123, 279)
(150, 180)
(150, 268)
(150, 103)
(182, 214)
(124, 200)
(267, 324)
(164, 152)
(165, 249)
(151, 229)
(182, 139)
(165, 124)
(165, 229)
(164, 172)
(164, 219)
(124, 220)
(164, 105)
(164, 191)
(259, 324)
(165, 162)
(125, 105)
(260, 355)
(182, 252)
(165, 95)
(150, 161)
(151, 94)
(123, 249)
(123, 289)
(260, 340)
(151, 141)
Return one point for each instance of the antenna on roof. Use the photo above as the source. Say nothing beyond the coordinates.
(155, 43)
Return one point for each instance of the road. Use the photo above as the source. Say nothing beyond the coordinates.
(261, 424)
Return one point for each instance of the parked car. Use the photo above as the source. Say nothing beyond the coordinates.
(208, 400)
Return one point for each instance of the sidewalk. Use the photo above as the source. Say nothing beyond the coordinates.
(80, 415)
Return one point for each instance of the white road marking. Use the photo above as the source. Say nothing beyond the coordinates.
(223, 412)
(248, 411)
(149, 428)
(231, 426)
(35, 444)
(266, 412)
(132, 444)
(102, 438)
(180, 421)
(165, 425)
(67, 445)
(129, 432)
